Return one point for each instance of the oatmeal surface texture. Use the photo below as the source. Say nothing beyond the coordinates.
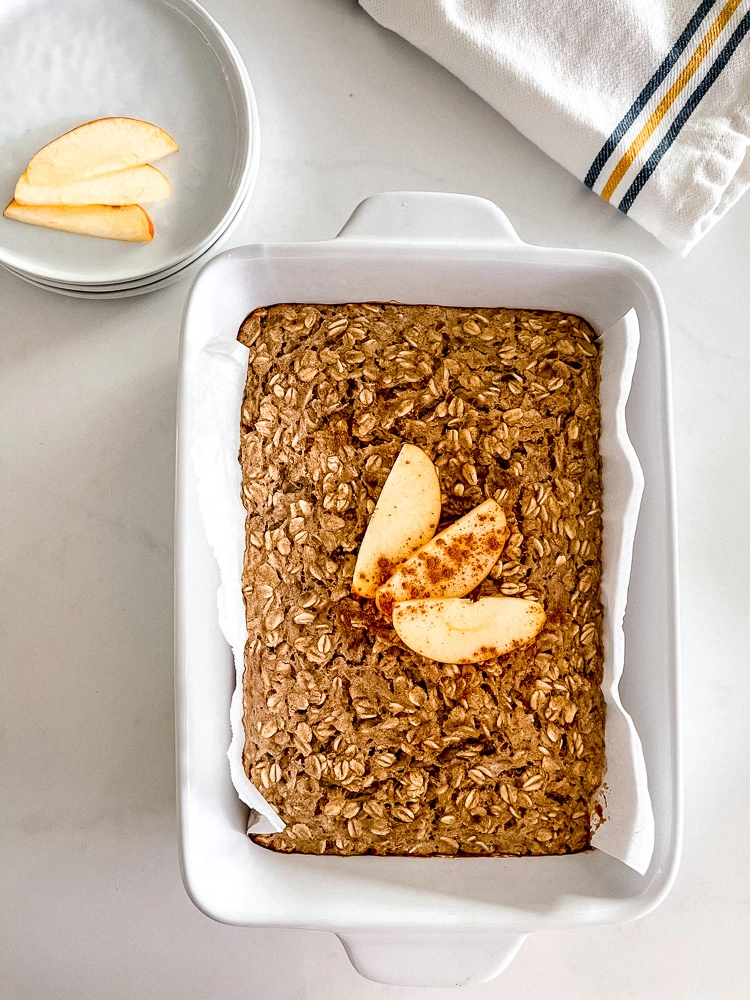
(360, 744)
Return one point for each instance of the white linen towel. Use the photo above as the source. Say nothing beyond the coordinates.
(645, 101)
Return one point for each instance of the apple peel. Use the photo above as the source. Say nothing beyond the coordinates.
(99, 147)
(129, 223)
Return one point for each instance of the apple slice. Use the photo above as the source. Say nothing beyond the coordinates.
(125, 222)
(405, 517)
(451, 630)
(453, 562)
(99, 147)
(121, 187)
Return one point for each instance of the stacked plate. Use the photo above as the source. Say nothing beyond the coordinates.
(165, 61)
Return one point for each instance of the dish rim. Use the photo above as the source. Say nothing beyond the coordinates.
(658, 886)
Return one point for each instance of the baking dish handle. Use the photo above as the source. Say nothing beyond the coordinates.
(428, 217)
(431, 959)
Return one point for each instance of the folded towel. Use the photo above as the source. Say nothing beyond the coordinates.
(645, 101)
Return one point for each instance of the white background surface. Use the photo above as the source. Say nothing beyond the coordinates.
(92, 904)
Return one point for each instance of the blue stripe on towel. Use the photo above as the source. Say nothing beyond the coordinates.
(675, 128)
(640, 102)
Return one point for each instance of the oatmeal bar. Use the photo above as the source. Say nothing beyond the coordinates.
(360, 744)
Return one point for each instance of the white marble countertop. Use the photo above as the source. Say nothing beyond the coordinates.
(92, 902)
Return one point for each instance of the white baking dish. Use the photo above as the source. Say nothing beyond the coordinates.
(416, 921)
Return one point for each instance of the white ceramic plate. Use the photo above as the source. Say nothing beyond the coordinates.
(166, 61)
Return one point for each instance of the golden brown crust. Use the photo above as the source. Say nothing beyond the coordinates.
(362, 745)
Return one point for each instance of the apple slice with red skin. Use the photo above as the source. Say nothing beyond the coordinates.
(99, 147)
(132, 186)
(129, 223)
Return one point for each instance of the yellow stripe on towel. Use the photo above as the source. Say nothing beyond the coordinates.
(669, 98)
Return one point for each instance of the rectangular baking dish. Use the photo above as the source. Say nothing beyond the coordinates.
(415, 921)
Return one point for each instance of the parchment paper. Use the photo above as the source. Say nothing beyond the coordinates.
(627, 829)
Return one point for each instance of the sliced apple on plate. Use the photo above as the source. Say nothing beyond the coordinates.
(110, 222)
(405, 517)
(452, 630)
(453, 562)
(99, 147)
(121, 187)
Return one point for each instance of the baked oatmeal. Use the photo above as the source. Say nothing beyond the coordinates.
(360, 744)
